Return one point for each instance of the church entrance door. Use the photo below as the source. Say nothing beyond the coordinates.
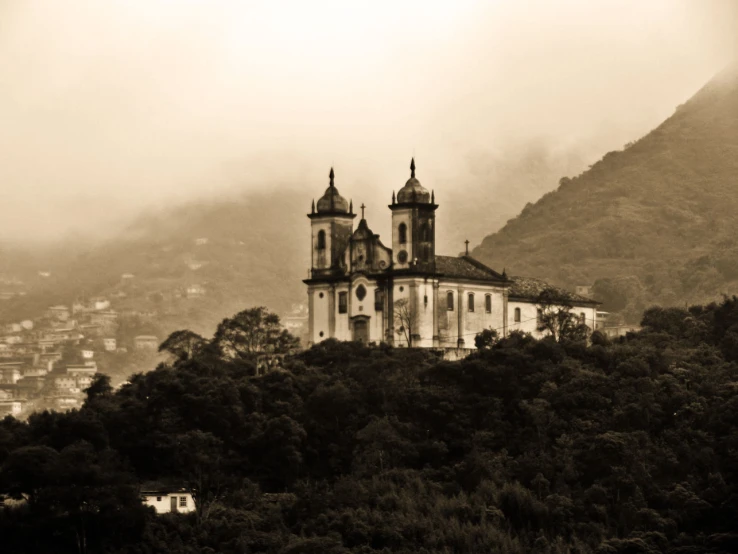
(361, 330)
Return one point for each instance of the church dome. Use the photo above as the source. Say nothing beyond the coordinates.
(332, 201)
(413, 191)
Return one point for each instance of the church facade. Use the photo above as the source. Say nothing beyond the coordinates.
(407, 295)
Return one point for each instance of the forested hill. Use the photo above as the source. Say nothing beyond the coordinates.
(659, 219)
(525, 447)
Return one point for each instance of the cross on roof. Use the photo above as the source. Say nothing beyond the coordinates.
(467, 246)
(362, 210)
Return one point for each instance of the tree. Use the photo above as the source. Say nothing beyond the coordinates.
(99, 387)
(555, 316)
(252, 332)
(405, 320)
(183, 344)
(486, 339)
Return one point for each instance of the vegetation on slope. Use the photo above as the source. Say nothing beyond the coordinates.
(528, 446)
(655, 223)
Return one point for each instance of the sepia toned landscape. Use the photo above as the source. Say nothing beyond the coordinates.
(307, 277)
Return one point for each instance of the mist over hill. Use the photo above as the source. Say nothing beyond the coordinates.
(654, 223)
(236, 252)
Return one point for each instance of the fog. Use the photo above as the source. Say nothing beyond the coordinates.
(109, 108)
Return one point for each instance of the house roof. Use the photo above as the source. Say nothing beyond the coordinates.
(466, 267)
(528, 288)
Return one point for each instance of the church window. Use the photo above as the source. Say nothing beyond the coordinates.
(517, 315)
(342, 302)
(425, 233)
(471, 301)
(360, 292)
(425, 300)
(402, 257)
(378, 300)
(321, 240)
(320, 295)
(450, 301)
(321, 333)
(402, 233)
(488, 303)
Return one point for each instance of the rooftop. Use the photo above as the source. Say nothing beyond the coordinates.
(466, 267)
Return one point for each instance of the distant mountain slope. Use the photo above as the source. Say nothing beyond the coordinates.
(235, 253)
(659, 219)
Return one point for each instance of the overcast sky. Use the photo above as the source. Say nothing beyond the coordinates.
(107, 107)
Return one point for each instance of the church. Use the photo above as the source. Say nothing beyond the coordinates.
(405, 294)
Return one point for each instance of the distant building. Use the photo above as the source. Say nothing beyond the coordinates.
(11, 407)
(101, 303)
(166, 501)
(195, 291)
(146, 342)
(10, 372)
(584, 290)
(104, 317)
(87, 354)
(60, 313)
(110, 344)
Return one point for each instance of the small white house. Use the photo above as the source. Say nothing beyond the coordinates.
(168, 501)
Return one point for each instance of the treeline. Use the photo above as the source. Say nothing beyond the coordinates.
(527, 446)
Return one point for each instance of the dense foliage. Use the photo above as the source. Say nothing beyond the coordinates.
(654, 222)
(527, 446)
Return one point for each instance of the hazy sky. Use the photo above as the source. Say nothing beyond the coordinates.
(110, 106)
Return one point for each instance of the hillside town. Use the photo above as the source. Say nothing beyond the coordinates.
(49, 361)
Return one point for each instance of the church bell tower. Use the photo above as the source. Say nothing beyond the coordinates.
(414, 226)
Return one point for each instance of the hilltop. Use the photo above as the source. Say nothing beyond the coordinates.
(654, 223)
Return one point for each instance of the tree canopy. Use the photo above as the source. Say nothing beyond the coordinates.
(626, 446)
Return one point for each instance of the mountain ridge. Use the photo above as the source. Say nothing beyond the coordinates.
(653, 223)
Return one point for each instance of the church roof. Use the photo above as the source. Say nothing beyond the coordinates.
(528, 288)
(413, 191)
(332, 202)
(466, 267)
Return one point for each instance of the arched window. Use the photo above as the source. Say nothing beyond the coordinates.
(450, 301)
(402, 233)
(425, 232)
(488, 303)
(517, 315)
(321, 240)
(471, 301)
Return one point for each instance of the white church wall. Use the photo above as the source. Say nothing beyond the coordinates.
(319, 312)
(480, 319)
(472, 322)
(529, 317)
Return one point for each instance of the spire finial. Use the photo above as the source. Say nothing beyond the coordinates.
(351, 206)
(362, 210)
(393, 196)
(467, 246)
(433, 197)
(412, 167)
(331, 175)
(313, 205)
(504, 273)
